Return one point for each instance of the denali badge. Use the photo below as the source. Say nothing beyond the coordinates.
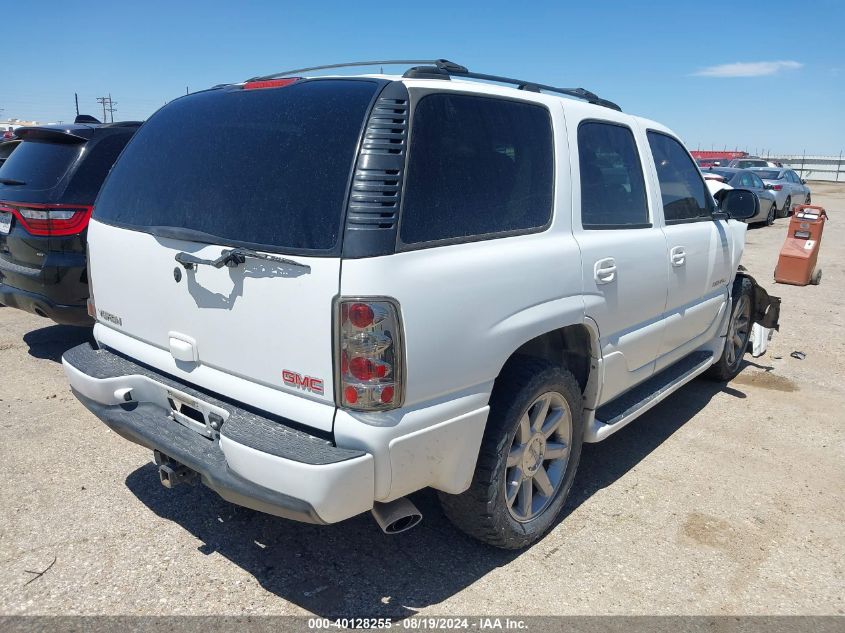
(111, 318)
(307, 383)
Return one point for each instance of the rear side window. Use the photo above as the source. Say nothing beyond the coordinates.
(685, 196)
(477, 166)
(40, 164)
(612, 184)
(266, 169)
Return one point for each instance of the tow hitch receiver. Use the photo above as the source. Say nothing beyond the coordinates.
(172, 473)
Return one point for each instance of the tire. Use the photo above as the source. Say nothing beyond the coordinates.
(742, 307)
(483, 511)
(770, 218)
(787, 207)
(808, 200)
(816, 278)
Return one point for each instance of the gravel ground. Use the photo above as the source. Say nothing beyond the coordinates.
(721, 500)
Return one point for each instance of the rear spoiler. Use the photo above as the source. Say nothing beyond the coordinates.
(51, 135)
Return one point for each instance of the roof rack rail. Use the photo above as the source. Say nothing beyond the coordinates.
(448, 68)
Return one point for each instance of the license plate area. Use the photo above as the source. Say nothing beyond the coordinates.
(194, 414)
(5, 222)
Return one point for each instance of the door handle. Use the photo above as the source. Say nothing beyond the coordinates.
(604, 271)
(678, 256)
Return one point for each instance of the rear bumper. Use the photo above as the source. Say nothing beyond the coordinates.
(44, 306)
(254, 461)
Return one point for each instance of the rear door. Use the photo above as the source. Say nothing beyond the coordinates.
(264, 170)
(623, 251)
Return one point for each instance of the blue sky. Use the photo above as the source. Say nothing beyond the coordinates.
(778, 81)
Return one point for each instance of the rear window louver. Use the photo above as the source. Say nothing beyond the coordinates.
(376, 194)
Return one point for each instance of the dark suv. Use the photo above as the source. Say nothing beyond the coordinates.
(47, 189)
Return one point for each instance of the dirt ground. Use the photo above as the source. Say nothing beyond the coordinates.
(721, 500)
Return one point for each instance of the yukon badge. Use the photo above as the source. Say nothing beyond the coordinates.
(298, 381)
(111, 318)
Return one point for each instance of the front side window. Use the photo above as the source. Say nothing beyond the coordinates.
(612, 184)
(476, 166)
(685, 196)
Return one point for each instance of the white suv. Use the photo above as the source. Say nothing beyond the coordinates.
(323, 294)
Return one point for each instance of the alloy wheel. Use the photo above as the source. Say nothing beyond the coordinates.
(538, 457)
(739, 330)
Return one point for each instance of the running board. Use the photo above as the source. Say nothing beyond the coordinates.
(618, 413)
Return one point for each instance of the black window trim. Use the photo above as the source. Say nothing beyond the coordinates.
(708, 197)
(614, 227)
(418, 95)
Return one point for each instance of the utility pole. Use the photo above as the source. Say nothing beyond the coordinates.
(112, 109)
(103, 101)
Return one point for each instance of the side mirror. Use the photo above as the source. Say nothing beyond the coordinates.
(803, 182)
(738, 204)
(768, 186)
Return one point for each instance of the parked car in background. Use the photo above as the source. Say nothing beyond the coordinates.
(6, 150)
(713, 162)
(789, 188)
(47, 189)
(745, 179)
(747, 163)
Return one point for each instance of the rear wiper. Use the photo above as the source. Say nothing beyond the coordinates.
(11, 181)
(234, 258)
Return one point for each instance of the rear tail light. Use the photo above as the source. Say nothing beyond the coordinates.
(777, 187)
(50, 220)
(369, 354)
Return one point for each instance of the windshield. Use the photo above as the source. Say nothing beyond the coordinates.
(267, 169)
(38, 164)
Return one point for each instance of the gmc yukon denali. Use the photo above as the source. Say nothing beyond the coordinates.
(321, 294)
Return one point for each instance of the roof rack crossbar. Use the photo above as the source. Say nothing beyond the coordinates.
(451, 68)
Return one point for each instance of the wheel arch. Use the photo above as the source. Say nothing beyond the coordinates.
(575, 347)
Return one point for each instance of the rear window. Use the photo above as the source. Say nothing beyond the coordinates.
(39, 164)
(769, 175)
(264, 168)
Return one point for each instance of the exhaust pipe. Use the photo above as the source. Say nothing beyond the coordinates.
(396, 516)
